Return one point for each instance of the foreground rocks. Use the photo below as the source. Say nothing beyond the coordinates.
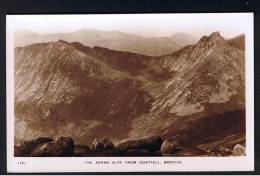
(152, 143)
(62, 146)
(168, 147)
(82, 150)
(150, 146)
(28, 146)
(239, 150)
(102, 144)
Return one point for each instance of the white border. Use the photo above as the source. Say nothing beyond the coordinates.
(77, 164)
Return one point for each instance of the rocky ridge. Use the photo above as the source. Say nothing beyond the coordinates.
(91, 92)
(115, 40)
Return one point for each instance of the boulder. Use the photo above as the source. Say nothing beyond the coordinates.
(19, 151)
(239, 150)
(67, 145)
(102, 144)
(108, 144)
(97, 145)
(42, 140)
(63, 146)
(168, 147)
(27, 147)
(224, 151)
(82, 150)
(138, 152)
(49, 149)
(151, 144)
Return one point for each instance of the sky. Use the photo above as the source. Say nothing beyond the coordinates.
(148, 25)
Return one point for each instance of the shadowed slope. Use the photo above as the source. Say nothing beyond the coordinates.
(64, 88)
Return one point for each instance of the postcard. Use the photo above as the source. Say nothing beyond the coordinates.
(130, 92)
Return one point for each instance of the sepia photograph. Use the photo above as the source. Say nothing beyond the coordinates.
(130, 85)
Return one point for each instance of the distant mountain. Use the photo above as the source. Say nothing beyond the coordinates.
(238, 42)
(183, 39)
(68, 89)
(153, 46)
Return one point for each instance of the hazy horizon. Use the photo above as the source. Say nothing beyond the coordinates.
(146, 25)
(127, 33)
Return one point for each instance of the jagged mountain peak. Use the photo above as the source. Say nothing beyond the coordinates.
(91, 91)
(57, 47)
(209, 71)
(51, 44)
(59, 43)
(215, 37)
(204, 44)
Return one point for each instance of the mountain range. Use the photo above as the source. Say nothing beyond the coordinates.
(195, 94)
(115, 40)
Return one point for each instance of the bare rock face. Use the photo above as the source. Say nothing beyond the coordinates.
(239, 150)
(63, 146)
(168, 147)
(102, 144)
(151, 144)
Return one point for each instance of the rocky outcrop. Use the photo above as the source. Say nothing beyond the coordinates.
(82, 150)
(239, 150)
(67, 144)
(29, 145)
(168, 147)
(97, 145)
(62, 146)
(102, 144)
(142, 147)
(151, 143)
(49, 149)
